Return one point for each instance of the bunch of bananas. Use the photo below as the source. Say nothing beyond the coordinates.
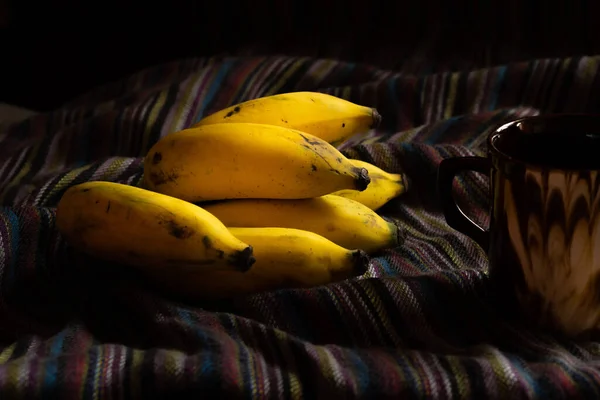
(254, 197)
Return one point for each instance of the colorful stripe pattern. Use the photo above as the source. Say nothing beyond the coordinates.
(420, 324)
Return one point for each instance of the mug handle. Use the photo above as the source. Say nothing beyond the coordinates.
(455, 217)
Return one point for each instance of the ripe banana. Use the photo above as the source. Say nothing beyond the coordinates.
(327, 117)
(285, 258)
(343, 221)
(228, 161)
(137, 227)
(383, 187)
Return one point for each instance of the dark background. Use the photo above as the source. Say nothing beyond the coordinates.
(58, 49)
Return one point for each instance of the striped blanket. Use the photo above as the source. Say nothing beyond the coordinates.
(419, 324)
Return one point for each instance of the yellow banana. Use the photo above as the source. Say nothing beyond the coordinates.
(384, 187)
(137, 227)
(228, 161)
(343, 221)
(327, 117)
(285, 258)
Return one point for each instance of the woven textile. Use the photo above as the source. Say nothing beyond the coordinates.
(419, 324)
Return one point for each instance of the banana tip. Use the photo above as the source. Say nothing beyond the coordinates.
(244, 259)
(362, 180)
(361, 262)
(406, 183)
(399, 236)
(376, 118)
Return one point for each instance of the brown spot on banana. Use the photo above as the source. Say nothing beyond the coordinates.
(156, 158)
(311, 142)
(160, 177)
(179, 231)
(313, 167)
(208, 245)
(232, 112)
(370, 221)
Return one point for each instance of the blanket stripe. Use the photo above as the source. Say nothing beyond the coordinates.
(419, 324)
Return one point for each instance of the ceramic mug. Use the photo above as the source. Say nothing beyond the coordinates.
(543, 241)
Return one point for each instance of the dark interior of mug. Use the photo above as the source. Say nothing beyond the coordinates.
(556, 141)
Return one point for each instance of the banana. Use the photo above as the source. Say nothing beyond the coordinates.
(327, 117)
(285, 258)
(137, 227)
(383, 187)
(228, 161)
(343, 221)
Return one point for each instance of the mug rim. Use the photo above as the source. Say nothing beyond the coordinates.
(491, 147)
